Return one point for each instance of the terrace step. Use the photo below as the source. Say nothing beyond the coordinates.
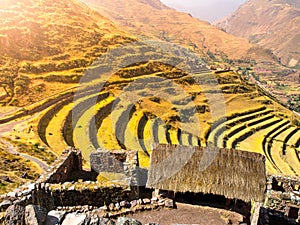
(77, 111)
(52, 123)
(106, 137)
(148, 135)
(85, 130)
(255, 128)
(287, 153)
(48, 116)
(254, 142)
(134, 137)
(219, 126)
(159, 131)
(51, 113)
(184, 138)
(273, 153)
(121, 116)
(233, 134)
(173, 134)
(131, 135)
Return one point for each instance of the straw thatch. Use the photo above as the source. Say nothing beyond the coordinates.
(231, 173)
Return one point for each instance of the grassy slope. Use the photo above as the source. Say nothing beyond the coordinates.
(45, 42)
(14, 167)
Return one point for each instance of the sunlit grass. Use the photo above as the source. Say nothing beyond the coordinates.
(81, 129)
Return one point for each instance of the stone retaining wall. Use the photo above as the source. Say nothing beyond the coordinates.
(54, 189)
(50, 196)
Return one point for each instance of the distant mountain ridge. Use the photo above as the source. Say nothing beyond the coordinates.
(273, 24)
(153, 19)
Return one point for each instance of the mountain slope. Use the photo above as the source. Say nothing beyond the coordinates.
(44, 42)
(154, 19)
(272, 24)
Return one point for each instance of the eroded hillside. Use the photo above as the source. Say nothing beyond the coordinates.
(270, 24)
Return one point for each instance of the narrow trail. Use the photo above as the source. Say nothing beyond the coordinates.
(11, 149)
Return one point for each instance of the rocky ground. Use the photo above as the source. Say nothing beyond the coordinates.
(139, 213)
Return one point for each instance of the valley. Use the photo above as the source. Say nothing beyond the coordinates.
(128, 75)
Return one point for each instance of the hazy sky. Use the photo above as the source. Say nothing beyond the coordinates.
(209, 10)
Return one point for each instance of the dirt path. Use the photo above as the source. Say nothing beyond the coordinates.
(11, 149)
(8, 127)
(189, 214)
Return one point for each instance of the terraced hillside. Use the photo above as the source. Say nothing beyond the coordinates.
(137, 95)
(114, 91)
(262, 130)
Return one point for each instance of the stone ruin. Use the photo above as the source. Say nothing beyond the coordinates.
(118, 162)
(64, 194)
(282, 201)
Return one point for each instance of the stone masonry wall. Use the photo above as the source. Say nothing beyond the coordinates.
(50, 196)
(107, 161)
(52, 189)
(282, 201)
(69, 161)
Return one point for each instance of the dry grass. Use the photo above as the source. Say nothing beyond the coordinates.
(14, 167)
(106, 137)
(107, 179)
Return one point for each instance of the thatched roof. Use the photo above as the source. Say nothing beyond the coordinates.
(231, 173)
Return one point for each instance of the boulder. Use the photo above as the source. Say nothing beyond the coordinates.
(12, 195)
(5, 204)
(54, 217)
(111, 207)
(35, 215)
(117, 206)
(127, 221)
(146, 201)
(74, 219)
(14, 215)
(133, 203)
(125, 204)
(170, 203)
(105, 221)
(94, 220)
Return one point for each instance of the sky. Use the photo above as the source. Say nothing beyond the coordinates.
(209, 10)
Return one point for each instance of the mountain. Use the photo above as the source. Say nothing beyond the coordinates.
(154, 19)
(212, 10)
(273, 24)
(46, 46)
